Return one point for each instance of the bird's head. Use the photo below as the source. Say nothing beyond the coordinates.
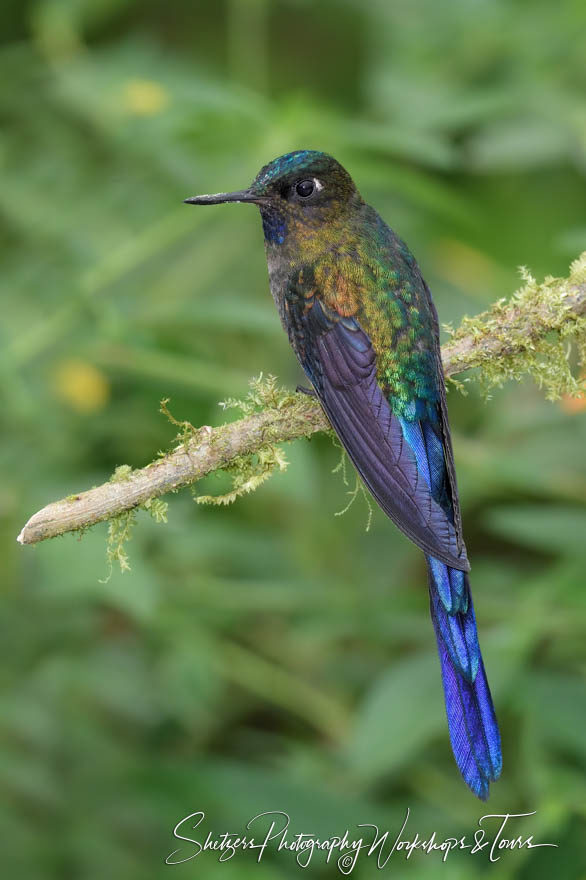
(299, 195)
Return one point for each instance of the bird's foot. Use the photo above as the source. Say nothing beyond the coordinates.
(301, 389)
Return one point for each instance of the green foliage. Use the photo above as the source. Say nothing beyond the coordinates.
(269, 655)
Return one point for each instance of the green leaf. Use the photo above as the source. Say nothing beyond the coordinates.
(547, 527)
(403, 710)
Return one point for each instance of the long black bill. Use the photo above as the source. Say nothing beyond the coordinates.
(242, 195)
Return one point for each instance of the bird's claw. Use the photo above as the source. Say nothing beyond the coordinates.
(301, 389)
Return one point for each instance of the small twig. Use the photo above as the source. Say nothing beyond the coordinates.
(209, 451)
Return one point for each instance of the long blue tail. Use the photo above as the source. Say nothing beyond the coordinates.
(472, 722)
(474, 732)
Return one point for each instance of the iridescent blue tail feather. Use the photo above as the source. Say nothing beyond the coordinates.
(474, 732)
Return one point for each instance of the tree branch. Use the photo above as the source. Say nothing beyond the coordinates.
(511, 338)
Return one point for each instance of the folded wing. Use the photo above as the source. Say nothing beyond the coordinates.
(338, 357)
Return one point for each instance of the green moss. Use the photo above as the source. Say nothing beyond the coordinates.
(157, 508)
(187, 431)
(120, 530)
(120, 527)
(119, 533)
(263, 394)
(342, 467)
(247, 473)
(539, 329)
(121, 474)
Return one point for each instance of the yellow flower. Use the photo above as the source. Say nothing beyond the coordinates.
(83, 387)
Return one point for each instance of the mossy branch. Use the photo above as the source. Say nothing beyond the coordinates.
(529, 333)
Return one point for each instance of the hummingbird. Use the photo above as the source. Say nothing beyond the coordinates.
(362, 323)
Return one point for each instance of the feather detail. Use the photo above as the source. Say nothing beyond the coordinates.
(474, 732)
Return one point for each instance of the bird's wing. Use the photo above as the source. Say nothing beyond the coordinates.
(338, 357)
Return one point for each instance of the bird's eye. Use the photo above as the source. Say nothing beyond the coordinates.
(305, 188)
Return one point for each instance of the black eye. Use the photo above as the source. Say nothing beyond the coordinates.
(305, 188)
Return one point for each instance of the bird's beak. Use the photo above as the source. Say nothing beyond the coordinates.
(241, 195)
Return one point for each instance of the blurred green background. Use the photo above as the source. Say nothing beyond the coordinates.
(271, 655)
